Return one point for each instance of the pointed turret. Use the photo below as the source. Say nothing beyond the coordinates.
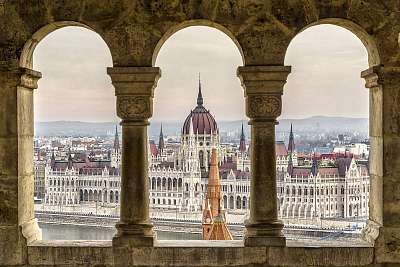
(199, 95)
(291, 140)
(161, 140)
(70, 162)
(242, 146)
(290, 151)
(53, 160)
(218, 230)
(290, 165)
(116, 140)
(314, 167)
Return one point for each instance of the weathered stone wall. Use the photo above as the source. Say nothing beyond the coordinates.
(135, 30)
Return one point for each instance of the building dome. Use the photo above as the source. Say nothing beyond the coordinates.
(201, 119)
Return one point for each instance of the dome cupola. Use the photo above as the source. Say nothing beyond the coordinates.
(202, 120)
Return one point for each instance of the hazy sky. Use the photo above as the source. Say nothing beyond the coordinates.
(325, 80)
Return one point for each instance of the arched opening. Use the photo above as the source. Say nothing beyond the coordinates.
(231, 203)
(199, 78)
(323, 137)
(74, 87)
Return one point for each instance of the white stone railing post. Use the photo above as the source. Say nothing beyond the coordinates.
(134, 88)
(263, 89)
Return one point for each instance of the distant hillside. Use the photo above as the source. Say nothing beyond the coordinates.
(312, 124)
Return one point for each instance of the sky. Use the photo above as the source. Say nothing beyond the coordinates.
(326, 63)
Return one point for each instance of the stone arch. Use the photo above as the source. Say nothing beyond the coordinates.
(26, 58)
(367, 40)
(195, 22)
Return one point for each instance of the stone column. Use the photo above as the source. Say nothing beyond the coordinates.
(263, 88)
(383, 225)
(134, 88)
(371, 76)
(18, 226)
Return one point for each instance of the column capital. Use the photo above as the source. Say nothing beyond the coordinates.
(375, 76)
(134, 88)
(263, 89)
(29, 78)
(263, 79)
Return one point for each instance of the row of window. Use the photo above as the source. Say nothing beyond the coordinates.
(323, 191)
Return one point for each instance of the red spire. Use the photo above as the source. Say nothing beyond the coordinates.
(214, 227)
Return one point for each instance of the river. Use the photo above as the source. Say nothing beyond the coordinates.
(84, 232)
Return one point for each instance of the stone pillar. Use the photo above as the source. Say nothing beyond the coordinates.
(18, 226)
(383, 225)
(371, 76)
(263, 88)
(134, 88)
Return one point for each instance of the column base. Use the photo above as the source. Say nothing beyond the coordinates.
(265, 241)
(264, 234)
(31, 231)
(134, 235)
(371, 232)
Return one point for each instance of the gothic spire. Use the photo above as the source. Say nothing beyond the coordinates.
(161, 140)
(314, 167)
(199, 95)
(291, 140)
(116, 139)
(242, 145)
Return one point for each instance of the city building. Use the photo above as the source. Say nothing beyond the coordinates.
(324, 185)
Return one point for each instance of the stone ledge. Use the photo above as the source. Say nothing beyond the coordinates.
(71, 243)
(193, 253)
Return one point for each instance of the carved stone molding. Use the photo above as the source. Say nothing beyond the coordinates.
(134, 80)
(264, 106)
(134, 107)
(371, 231)
(29, 78)
(263, 87)
(263, 79)
(376, 76)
